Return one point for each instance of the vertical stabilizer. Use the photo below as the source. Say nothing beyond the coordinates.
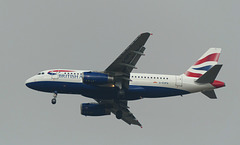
(204, 63)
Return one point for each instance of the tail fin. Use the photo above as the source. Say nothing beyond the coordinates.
(204, 63)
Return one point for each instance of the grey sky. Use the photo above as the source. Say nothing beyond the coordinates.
(40, 35)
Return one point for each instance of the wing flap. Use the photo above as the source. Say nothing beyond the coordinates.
(121, 68)
(127, 116)
(130, 55)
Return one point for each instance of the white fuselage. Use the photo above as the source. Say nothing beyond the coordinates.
(143, 84)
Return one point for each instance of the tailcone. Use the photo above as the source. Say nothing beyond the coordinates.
(218, 84)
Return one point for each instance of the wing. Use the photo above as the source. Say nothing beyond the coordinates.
(127, 60)
(120, 69)
(113, 106)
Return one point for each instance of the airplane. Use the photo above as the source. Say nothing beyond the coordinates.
(116, 85)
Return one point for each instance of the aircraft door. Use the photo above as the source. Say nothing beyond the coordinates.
(179, 80)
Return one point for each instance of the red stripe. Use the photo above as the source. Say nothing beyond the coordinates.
(211, 57)
(218, 84)
(62, 71)
(190, 74)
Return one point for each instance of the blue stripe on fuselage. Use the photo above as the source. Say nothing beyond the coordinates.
(133, 93)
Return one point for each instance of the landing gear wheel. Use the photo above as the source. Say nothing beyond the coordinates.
(54, 101)
(119, 114)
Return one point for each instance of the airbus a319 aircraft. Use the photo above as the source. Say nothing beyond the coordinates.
(116, 85)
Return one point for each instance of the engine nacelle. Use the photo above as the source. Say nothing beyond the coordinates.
(96, 78)
(93, 109)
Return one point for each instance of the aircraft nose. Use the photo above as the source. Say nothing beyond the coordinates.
(29, 81)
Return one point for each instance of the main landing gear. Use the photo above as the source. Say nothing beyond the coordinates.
(54, 100)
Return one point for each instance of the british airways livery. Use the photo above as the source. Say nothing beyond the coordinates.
(116, 85)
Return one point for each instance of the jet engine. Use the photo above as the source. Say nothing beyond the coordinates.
(96, 78)
(93, 109)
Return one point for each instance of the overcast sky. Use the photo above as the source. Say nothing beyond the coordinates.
(47, 34)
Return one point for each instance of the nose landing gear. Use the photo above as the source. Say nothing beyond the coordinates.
(54, 100)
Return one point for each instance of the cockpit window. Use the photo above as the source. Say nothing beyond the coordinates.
(41, 73)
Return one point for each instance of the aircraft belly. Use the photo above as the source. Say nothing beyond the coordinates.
(133, 93)
(60, 87)
(155, 92)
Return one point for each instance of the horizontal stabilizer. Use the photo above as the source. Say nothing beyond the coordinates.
(210, 75)
(210, 94)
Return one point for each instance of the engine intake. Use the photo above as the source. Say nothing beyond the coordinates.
(93, 109)
(96, 78)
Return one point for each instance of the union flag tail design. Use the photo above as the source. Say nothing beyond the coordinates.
(204, 63)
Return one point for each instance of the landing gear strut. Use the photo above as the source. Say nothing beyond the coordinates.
(54, 100)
